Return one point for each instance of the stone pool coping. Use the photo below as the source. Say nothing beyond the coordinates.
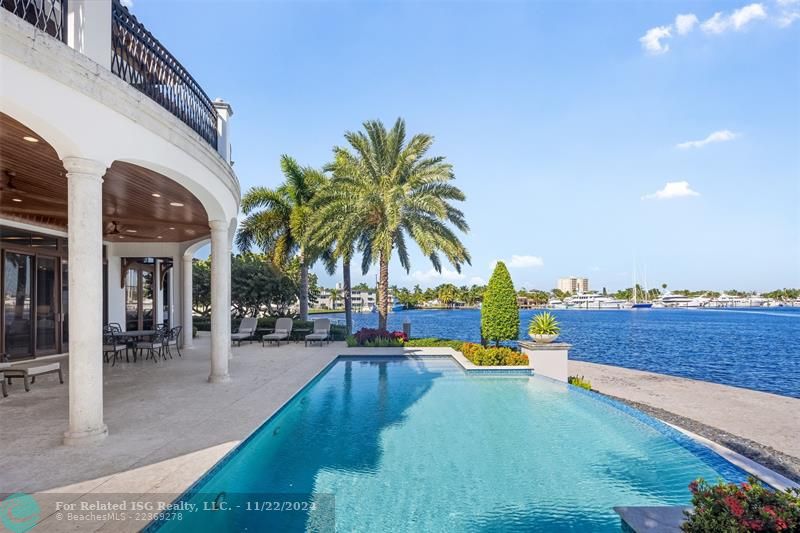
(466, 364)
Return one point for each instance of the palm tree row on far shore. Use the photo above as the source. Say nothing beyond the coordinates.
(379, 192)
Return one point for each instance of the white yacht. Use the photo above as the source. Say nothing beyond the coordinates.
(593, 301)
(679, 300)
(555, 303)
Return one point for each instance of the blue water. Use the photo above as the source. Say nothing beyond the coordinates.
(752, 348)
(393, 445)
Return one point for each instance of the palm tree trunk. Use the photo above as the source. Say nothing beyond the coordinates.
(303, 287)
(383, 291)
(348, 295)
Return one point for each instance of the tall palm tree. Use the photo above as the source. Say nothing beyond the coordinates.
(277, 221)
(334, 295)
(390, 191)
(333, 228)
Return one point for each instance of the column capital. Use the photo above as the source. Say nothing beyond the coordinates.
(84, 168)
(187, 258)
(218, 225)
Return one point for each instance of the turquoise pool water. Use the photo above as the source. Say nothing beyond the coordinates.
(417, 445)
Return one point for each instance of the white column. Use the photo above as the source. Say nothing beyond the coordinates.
(220, 298)
(89, 29)
(224, 114)
(85, 234)
(158, 302)
(186, 308)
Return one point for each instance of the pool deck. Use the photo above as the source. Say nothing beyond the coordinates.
(759, 425)
(167, 425)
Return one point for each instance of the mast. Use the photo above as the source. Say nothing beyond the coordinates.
(634, 280)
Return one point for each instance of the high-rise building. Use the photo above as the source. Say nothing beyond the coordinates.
(573, 285)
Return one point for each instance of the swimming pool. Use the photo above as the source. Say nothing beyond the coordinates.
(416, 444)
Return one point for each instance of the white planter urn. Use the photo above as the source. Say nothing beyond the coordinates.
(544, 339)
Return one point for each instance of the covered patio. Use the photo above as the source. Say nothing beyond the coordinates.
(166, 427)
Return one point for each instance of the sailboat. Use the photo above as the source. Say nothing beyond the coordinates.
(646, 304)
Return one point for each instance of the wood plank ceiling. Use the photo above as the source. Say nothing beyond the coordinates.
(139, 205)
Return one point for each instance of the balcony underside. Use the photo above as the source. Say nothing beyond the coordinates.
(33, 188)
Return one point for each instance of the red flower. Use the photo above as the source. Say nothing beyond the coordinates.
(781, 524)
(746, 486)
(693, 487)
(734, 506)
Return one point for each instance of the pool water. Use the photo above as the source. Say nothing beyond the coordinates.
(415, 444)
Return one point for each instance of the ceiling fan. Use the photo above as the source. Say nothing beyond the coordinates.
(113, 230)
(13, 191)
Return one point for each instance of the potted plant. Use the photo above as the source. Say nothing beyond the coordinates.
(544, 328)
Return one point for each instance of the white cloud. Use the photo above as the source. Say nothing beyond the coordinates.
(651, 41)
(685, 23)
(716, 24)
(477, 280)
(716, 137)
(431, 275)
(525, 261)
(737, 20)
(673, 189)
(789, 12)
(127, 3)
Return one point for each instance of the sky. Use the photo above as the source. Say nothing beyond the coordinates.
(588, 137)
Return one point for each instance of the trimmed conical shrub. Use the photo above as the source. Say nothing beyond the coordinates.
(499, 312)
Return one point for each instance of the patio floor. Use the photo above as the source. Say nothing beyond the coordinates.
(166, 424)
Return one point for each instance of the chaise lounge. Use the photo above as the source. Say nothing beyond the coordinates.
(29, 373)
(247, 329)
(283, 330)
(322, 331)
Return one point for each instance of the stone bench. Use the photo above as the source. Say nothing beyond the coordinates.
(28, 373)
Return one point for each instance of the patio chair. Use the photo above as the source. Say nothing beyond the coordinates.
(114, 345)
(171, 339)
(28, 373)
(322, 332)
(154, 347)
(247, 328)
(283, 330)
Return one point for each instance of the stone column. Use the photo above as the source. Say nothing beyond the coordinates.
(85, 233)
(186, 308)
(220, 298)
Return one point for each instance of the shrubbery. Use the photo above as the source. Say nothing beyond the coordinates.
(432, 342)
(377, 338)
(746, 507)
(499, 312)
(493, 356)
(580, 381)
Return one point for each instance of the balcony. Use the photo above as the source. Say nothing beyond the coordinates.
(136, 56)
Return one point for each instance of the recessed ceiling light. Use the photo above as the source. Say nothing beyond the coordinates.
(122, 236)
(155, 195)
(30, 139)
(171, 228)
(159, 237)
(16, 199)
(130, 231)
(176, 204)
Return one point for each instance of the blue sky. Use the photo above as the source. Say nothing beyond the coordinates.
(563, 121)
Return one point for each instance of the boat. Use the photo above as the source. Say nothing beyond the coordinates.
(593, 301)
(637, 304)
(555, 303)
(678, 300)
(398, 307)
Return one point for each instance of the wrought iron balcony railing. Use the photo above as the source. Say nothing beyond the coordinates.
(138, 58)
(47, 15)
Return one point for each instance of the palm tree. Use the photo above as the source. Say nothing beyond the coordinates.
(277, 221)
(390, 191)
(334, 296)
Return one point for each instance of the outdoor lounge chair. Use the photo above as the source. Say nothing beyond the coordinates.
(322, 331)
(283, 330)
(29, 373)
(247, 328)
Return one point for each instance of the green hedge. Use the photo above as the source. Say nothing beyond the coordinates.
(499, 312)
(477, 354)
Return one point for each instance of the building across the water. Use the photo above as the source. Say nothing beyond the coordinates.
(115, 169)
(573, 285)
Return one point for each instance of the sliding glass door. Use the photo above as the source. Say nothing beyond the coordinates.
(18, 305)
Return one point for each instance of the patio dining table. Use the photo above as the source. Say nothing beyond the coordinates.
(136, 333)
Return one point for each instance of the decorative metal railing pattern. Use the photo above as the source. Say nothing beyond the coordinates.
(47, 15)
(138, 58)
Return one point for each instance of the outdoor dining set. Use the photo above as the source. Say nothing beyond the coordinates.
(152, 344)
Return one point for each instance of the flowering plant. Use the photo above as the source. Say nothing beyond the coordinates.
(377, 338)
(746, 507)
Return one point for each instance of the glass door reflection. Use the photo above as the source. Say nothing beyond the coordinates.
(17, 305)
(46, 300)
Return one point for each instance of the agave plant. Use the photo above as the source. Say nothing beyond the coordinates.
(544, 324)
